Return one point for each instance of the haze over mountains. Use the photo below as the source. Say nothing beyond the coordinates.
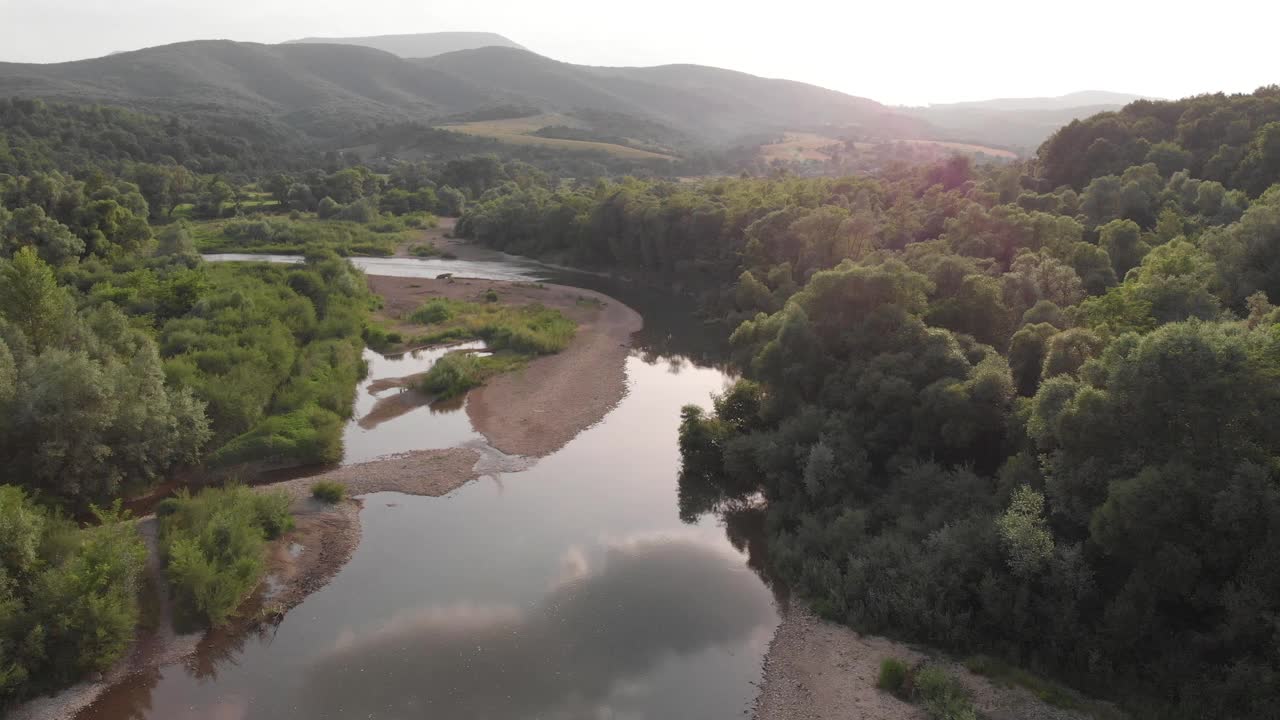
(337, 88)
(420, 45)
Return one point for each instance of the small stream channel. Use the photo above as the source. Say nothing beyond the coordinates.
(570, 589)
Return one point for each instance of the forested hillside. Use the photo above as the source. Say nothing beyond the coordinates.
(329, 96)
(1039, 425)
(1231, 139)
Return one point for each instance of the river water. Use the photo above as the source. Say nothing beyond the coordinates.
(568, 590)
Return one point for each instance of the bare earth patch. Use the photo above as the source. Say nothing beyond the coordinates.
(818, 670)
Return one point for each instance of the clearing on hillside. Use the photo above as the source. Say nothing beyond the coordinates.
(799, 146)
(519, 131)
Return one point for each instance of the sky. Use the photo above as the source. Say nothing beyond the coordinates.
(894, 51)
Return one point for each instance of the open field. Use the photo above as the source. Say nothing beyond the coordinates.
(797, 146)
(967, 148)
(516, 131)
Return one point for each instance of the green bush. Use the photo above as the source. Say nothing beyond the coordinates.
(68, 596)
(436, 310)
(309, 435)
(424, 250)
(458, 372)
(214, 544)
(328, 491)
(893, 676)
(941, 695)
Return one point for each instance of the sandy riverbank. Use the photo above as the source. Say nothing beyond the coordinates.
(536, 410)
(818, 670)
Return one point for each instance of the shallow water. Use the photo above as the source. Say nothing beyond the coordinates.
(485, 264)
(570, 589)
(389, 420)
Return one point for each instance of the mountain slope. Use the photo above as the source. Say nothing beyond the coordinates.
(318, 89)
(419, 45)
(706, 102)
(333, 90)
(1084, 98)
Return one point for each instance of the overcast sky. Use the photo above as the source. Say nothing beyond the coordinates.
(894, 51)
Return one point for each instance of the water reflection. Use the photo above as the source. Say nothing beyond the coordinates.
(564, 588)
(568, 656)
(391, 416)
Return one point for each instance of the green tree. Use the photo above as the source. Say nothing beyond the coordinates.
(31, 299)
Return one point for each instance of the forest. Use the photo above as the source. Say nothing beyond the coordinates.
(1028, 411)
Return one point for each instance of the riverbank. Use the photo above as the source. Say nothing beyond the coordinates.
(819, 670)
(531, 413)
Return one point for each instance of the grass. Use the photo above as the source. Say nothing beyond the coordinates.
(1047, 691)
(527, 329)
(514, 334)
(516, 131)
(458, 372)
(967, 148)
(329, 491)
(799, 146)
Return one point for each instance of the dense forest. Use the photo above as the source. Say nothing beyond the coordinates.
(125, 360)
(1027, 411)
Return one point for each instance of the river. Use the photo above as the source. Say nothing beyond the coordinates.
(569, 589)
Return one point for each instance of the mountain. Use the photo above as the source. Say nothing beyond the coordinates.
(420, 45)
(1018, 123)
(332, 91)
(1084, 98)
(709, 103)
(320, 90)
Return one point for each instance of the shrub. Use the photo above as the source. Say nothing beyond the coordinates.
(490, 295)
(942, 695)
(434, 311)
(458, 372)
(424, 250)
(214, 545)
(328, 491)
(893, 677)
(68, 596)
(309, 435)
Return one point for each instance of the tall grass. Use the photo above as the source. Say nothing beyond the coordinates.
(527, 329)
